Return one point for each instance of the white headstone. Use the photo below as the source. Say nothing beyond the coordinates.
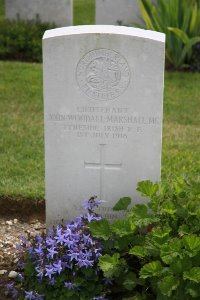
(52, 11)
(103, 93)
(117, 12)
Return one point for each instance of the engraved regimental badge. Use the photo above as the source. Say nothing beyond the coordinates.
(103, 74)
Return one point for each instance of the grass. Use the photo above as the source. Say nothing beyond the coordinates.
(21, 128)
(84, 12)
(2, 9)
(181, 134)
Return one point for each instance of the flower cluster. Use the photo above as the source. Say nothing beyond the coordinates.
(61, 258)
(195, 65)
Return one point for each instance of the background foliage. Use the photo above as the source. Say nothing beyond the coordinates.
(22, 40)
(180, 21)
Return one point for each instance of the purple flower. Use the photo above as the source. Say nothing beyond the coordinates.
(52, 252)
(88, 254)
(49, 271)
(58, 267)
(69, 285)
(39, 250)
(60, 239)
(11, 290)
(67, 232)
(90, 217)
(91, 203)
(85, 263)
(198, 45)
(39, 272)
(87, 239)
(29, 295)
(50, 241)
(19, 247)
(108, 281)
(69, 243)
(52, 281)
(9, 286)
(23, 239)
(73, 255)
(38, 239)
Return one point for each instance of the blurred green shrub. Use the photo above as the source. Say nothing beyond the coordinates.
(22, 40)
(180, 21)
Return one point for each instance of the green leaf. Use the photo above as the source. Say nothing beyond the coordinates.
(139, 216)
(193, 289)
(187, 48)
(168, 207)
(168, 284)
(152, 269)
(122, 204)
(179, 265)
(100, 229)
(136, 297)
(184, 229)
(160, 235)
(180, 33)
(121, 228)
(138, 251)
(110, 265)
(192, 244)
(193, 274)
(146, 16)
(194, 18)
(169, 252)
(122, 243)
(147, 188)
(130, 281)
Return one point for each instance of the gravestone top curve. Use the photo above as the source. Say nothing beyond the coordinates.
(105, 29)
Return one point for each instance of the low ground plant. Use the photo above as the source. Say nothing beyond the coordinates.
(152, 253)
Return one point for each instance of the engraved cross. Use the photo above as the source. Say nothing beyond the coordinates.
(102, 166)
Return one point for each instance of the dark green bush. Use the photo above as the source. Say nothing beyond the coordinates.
(22, 40)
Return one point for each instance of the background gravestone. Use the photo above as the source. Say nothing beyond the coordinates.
(117, 12)
(52, 11)
(103, 94)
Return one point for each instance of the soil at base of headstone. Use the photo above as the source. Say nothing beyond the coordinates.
(17, 217)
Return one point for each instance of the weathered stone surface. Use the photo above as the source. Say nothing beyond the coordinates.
(103, 91)
(52, 11)
(117, 12)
